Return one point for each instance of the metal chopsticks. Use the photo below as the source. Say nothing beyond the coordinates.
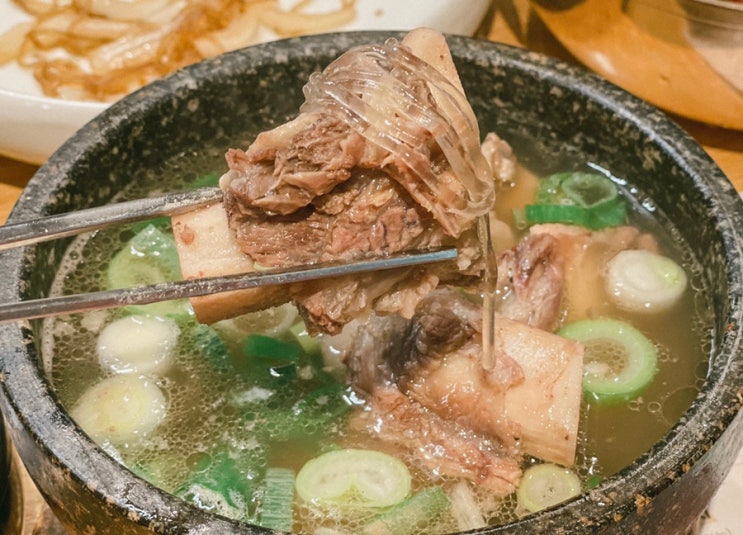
(62, 225)
(52, 306)
(89, 219)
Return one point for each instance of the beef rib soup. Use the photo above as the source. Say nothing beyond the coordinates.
(564, 341)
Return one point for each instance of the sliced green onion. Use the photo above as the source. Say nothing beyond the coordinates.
(271, 349)
(589, 189)
(556, 213)
(150, 257)
(549, 191)
(211, 347)
(643, 281)
(587, 199)
(272, 321)
(415, 515)
(619, 362)
(611, 214)
(217, 484)
(465, 508)
(278, 499)
(545, 485)
(354, 477)
(311, 415)
(122, 408)
(138, 344)
(520, 220)
(310, 344)
(323, 404)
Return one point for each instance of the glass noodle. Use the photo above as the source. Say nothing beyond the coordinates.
(385, 93)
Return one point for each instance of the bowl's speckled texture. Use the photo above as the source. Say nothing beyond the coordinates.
(564, 110)
(4, 474)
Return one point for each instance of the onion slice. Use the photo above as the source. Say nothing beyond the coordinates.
(644, 282)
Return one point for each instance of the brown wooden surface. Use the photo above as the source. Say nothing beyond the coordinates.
(513, 22)
(644, 46)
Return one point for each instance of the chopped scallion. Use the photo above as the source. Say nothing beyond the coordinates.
(354, 477)
(587, 199)
(545, 485)
(620, 361)
(412, 515)
(278, 499)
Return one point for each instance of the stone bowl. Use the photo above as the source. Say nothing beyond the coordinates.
(4, 475)
(563, 110)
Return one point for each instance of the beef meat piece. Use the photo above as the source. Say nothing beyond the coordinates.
(585, 254)
(438, 353)
(328, 304)
(383, 157)
(367, 215)
(500, 157)
(313, 191)
(530, 281)
(284, 169)
(529, 401)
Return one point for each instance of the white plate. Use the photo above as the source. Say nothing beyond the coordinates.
(34, 126)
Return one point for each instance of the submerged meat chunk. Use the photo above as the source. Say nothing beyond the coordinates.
(457, 387)
(528, 403)
(543, 367)
(499, 155)
(441, 447)
(530, 281)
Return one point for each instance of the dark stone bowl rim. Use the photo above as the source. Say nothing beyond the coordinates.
(711, 413)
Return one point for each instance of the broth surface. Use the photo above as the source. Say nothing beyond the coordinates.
(222, 407)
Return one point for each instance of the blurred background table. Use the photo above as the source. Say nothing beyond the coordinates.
(13, 177)
(514, 22)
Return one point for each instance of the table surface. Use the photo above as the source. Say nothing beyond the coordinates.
(513, 22)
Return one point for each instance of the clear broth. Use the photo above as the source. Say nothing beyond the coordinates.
(207, 406)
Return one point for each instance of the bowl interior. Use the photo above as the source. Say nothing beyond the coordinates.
(563, 111)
